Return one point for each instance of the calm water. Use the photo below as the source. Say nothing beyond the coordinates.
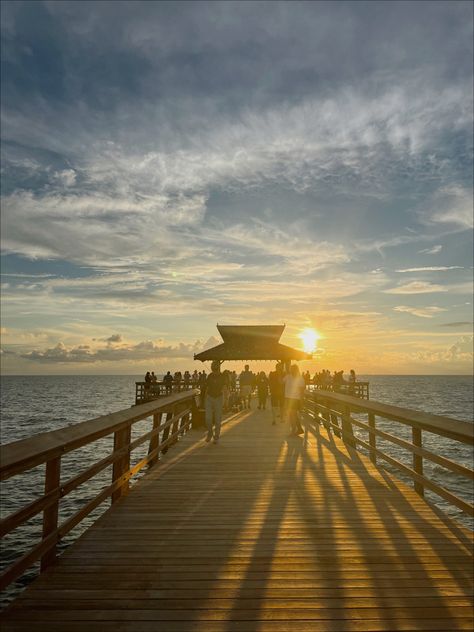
(31, 405)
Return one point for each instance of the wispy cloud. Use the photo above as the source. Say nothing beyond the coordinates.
(431, 251)
(431, 269)
(422, 312)
(417, 287)
(451, 204)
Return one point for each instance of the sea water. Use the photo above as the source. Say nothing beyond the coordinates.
(34, 404)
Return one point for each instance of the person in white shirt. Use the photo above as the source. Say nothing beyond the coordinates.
(294, 392)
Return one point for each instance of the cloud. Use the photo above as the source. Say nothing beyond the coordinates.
(66, 177)
(461, 323)
(114, 338)
(451, 204)
(417, 287)
(421, 312)
(146, 350)
(431, 251)
(432, 269)
(462, 349)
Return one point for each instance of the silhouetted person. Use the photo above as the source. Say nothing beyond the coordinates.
(246, 380)
(215, 384)
(277, 393)
(352, 381)
(262, 390)
(294, 393)
(168, 382)
(147, 383)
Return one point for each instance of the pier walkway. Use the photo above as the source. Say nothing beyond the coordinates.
(262, 532)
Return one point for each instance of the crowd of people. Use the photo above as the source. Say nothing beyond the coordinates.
(225, 391)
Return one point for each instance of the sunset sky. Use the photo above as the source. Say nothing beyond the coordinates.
(167, 166)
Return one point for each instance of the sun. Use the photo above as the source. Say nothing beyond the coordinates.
(310, 338)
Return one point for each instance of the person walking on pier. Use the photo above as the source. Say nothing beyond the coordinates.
(215, 384)
(262, 390)
(294, 392)
(246, 381)
(275, 380)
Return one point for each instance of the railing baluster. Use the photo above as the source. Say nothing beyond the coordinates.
(372, 439)
(155, 440)
(347, 429)
(50, 514)
(418, 459)
(121, 466)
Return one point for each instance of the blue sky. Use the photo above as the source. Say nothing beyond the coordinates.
(168, 166)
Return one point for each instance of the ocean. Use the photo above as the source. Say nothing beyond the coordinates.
(35, 404)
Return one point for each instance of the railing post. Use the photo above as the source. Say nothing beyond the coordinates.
(177, 424)
(372, 439)
(122, 465)
(155, 440)
(50, 514)
(335, 420)
(418, 460)
(347, 429)
(166, 432)
(196, 421)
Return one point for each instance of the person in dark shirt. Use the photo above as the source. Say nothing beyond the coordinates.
(246, 381)
(215, 384)
(262, 390)
(147, 383)
(168, 382)
(275, 380)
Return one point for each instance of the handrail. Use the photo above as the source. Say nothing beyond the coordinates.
(172, 417)
(445, 426)
(334, 410)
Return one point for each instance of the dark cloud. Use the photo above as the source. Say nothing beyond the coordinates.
(463, 323)
(239, 53)
(114, 338)
(146, 350)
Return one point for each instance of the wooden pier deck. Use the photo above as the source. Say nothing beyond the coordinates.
(259, 533)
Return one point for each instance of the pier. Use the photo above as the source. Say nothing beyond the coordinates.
(263, 532)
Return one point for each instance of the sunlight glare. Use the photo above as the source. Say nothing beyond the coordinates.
(310, 338)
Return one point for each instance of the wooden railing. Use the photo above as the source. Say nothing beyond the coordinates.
(147, 391)
(335, 412)
(172, 416)
(356, 389)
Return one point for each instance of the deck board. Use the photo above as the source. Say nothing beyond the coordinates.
(259, 533)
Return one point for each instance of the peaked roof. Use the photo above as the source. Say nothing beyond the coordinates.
(251, 342)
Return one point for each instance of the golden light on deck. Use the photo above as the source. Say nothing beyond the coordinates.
(310, 339)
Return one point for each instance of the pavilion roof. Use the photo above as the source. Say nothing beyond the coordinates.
(251, 342)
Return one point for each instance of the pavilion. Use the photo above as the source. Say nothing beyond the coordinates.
(252, 342)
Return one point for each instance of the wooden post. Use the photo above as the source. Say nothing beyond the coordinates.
(176, 425)
(335, 420)
(418, 460)
(197, 421)
(50, 514)
(155, 440)
(347, 429)
(372, 439)
(122, 465)
(166, 432)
